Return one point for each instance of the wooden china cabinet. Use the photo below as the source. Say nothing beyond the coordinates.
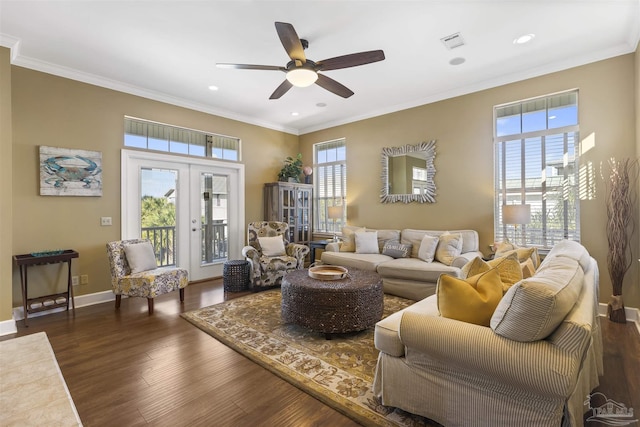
(291, 202)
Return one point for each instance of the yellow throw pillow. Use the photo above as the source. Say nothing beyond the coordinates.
(528, 269)
(349, 238)
(473, 267)
(471, 300)
(508, 267)
(524, 253)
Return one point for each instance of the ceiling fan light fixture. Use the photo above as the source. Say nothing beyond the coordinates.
(302, 77)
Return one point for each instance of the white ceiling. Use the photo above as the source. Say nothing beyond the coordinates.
(167, 50)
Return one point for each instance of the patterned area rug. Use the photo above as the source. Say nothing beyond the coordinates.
(338, 372)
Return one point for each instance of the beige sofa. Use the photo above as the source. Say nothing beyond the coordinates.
(535, 364)
(409, 277)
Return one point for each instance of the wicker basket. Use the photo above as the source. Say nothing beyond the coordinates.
(235, 275)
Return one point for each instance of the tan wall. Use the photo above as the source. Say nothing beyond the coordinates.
(48, 110)
(463, 129)
(58, 112)
(6, 237)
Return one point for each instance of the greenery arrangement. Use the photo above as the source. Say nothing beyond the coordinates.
(292, 169)
(621, 196)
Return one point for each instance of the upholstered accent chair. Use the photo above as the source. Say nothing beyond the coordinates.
(270, 254)
(134, 272)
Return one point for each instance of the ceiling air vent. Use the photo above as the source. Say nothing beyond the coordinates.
(453, 41)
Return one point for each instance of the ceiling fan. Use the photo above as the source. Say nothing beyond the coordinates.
(303, 72)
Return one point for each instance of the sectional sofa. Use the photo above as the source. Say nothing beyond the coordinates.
(534, 364)
(397, 258)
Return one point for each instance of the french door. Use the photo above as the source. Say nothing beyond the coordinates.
(191, 209)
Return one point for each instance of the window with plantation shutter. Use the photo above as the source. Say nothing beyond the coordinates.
(149, 135)
(330, 184)
(536, 147)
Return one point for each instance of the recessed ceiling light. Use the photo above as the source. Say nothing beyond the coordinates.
(524, 39)
(457, 61)
(212, 87)
(295, 113)
(321, 105)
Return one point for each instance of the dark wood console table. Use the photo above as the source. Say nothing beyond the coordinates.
(47, 302)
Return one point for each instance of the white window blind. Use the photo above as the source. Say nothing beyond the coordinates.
(139, 133)
(536, 146)
(330, 183)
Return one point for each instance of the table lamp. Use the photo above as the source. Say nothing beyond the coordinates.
(334, 213)
(516, 214)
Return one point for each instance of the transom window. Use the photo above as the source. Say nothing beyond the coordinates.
(330, 184)
(139, 133)
(536, 147)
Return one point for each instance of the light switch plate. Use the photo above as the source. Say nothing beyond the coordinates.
(105, 220)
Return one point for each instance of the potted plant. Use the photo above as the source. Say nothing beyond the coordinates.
(292, 169)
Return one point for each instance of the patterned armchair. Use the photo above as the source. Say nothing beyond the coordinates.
(148, 283)
(267, 271)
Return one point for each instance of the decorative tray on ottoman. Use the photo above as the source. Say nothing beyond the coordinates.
(328, 272)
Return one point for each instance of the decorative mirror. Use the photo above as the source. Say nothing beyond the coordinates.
(407, 173)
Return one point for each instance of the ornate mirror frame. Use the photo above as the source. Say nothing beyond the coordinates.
(426, 148)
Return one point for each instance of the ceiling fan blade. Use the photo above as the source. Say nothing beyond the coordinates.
(333, 86)
(281, 90)
(291, 42)
(251, 67)
(351, 60)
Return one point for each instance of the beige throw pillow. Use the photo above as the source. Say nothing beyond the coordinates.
(367, 242)
(449, 247)
(533, 308)
(349, 238)
(428, 245)
(272, 246)
(140, 257)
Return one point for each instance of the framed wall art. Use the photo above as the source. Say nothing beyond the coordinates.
(67, 172)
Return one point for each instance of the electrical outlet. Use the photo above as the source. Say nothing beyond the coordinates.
(105, 221)
(84, 279)
(75, 281)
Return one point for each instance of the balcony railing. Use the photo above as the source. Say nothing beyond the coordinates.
(164, 243)
(214, 243)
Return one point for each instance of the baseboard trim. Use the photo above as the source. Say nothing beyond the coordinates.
(9, 326)
(632, 314)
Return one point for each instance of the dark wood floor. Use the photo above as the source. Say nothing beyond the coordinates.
(127, 368)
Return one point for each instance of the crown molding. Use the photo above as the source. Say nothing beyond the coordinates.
(72, 74)
(542, 70)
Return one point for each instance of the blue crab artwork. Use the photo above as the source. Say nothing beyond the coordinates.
(63, 169)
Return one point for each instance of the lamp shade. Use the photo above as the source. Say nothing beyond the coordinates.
(335, 212)
(516, 214)
(302, 77)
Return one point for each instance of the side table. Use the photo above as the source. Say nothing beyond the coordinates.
(236, 275)
(47, 302)
(316, 244)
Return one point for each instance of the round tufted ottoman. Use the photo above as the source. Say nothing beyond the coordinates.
(332, 306)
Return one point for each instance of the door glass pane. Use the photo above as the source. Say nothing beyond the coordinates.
(214, 217)
(158, 212)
